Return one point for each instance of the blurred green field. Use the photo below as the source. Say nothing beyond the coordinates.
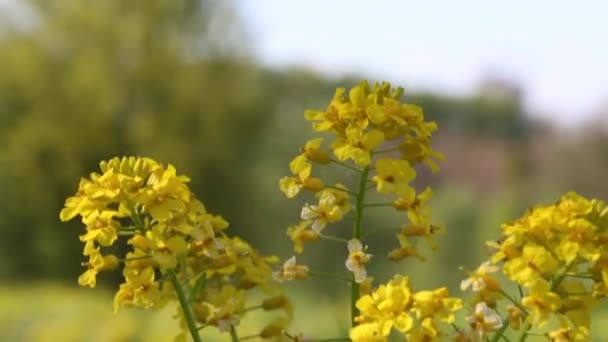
(52, 312)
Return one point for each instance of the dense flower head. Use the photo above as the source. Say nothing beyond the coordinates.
(148, 207)
(395, 306)
(556, 255)
(372, 132)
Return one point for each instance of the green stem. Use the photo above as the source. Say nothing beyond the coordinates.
(333, 238)
(328, 275)
(341, 189)
(136, 219)
(186, 308)
(233, 335)
(524, 331)
(345, 165)
(512, 300)
(369, 205)
(357, 233)
(250, 309)
(385, 150)
(501, 331)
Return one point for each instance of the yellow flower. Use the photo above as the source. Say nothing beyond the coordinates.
(326, 212)
(300, 234)
(570, 334)
(417, 149)
(393, 177)
(415, 205)
(329, 119)
(340, 196)
(96, 264)
(436, 305)
(357, 145)
(388, 307)
(275, 328)
(405, 250)
(139, 289)
(515, 316)
(357, 259)
(221, 307)
(541, 302)
(101, 227)
(165, 194)
(480, 279)
(312, 151)
(535, 262)
(291, 270)
(484, 320)
(300, 167)
(367, 332)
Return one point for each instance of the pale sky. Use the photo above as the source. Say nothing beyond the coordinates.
(556, 50)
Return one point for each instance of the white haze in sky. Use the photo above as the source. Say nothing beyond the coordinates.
(557, 51)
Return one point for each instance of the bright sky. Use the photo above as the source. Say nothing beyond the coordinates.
(557, 51)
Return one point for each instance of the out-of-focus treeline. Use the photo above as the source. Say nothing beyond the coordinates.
(82, 81)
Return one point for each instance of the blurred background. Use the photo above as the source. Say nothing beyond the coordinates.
(219, 88)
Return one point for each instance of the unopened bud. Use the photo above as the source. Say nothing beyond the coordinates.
(313, 184)
(110, 262)
(274, 303)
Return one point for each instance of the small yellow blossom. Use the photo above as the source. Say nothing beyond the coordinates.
(357, 145)
(291, 270)
(388, 306)
(480, 279)
(484, 320)
(301, 233)
(326, 212)
(312, 151)
(541, 302)
(367, 332)
(393, 177)
(357, 259)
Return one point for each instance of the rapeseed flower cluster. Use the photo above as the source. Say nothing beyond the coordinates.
(176, 250)
(420, 316)
(381, 139)
(556, 255)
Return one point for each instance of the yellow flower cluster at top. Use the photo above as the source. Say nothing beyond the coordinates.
(381, 138)
(176, 249)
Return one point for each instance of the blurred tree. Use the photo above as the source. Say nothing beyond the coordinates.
(83, 81)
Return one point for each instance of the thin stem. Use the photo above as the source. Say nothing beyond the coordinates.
(357, 233)
(136, 258)
(136, 219)
(500, 331)
(186, 308)
(249, 337)
(250, 309)
(294, 337)
(233, 335)
(512, 300)
(328, 275)
(341, 189)
(352, 168)
(385, 150)
(370, 205)
(333, 238)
